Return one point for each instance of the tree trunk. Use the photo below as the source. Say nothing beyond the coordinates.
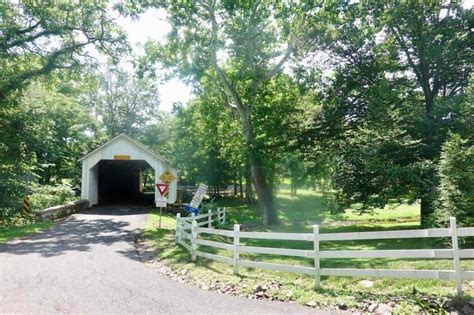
(426, 210)
(248, 191)
(264, 193)
(429, 181)
(241, 188)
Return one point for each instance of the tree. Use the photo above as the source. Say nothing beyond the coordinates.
(433, 41)
(456, 189)
(238, 45)
(399, 76)
(125, 103)
(42, 140)
(38, 38)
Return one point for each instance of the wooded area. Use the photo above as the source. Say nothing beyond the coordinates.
(374, 102)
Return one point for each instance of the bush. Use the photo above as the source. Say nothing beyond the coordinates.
(48, 196)
(456, 189)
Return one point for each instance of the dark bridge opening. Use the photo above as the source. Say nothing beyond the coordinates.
(121, 181)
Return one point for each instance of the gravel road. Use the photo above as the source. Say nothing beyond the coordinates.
(88, 264)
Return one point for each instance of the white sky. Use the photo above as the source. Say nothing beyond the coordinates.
(153, 25)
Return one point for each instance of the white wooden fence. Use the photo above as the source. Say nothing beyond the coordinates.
(190, 230)
(184, 225)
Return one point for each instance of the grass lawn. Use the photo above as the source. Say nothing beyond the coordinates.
(11, 232)
(298, 214)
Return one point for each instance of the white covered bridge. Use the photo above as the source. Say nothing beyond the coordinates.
(114, 173)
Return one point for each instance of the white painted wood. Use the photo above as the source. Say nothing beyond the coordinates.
(465, 231)
(209, 218)
(385, 235)
(186, 235)
(317, 269)
(185, 245)
(222, 259)
(194, 235)
(456, 261)
(203, 223)
(389, 273)
(236, 249)
(455, 253)
(228, 247)
(185, 224)
(408, 253)
(198, 196)
(468, 275)
(278, 236)
(197, 217)
(466, 253)
(122, 145)
(276, 251)
(223, 217)
(216, 232)
(277, 267)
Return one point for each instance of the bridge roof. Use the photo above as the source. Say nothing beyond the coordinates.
(129, 139)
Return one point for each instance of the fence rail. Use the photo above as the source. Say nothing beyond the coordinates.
(185, 230)
(190, 228)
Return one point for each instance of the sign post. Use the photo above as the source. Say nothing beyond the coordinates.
(161, 201)
(26, 206)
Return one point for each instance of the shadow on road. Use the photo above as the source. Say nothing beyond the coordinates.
(117, 210)
(79, 234)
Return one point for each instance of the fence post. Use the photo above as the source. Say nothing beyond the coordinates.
(223, 216)
(456, 261)
(178, 227)
(193, 239)
(209, 218)
(236, 248)
(316, 255)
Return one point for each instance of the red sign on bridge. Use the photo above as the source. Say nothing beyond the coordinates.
(162, 189)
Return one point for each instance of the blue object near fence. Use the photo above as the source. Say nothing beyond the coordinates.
(190, 209)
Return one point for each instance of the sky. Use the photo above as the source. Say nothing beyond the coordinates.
(153, 25)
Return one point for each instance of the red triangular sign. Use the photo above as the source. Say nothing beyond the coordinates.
(162, 188)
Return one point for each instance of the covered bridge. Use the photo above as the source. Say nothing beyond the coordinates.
(114, 173)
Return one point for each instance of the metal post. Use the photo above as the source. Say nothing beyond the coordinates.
(161, 213)
(178, 227)
(456, 261)
(209, 218)
(193, 239)
(236, 248)
(316, 255)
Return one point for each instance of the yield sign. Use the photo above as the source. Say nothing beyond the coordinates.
(162, 188)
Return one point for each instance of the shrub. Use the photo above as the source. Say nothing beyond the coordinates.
(456, 189)
(45, 196)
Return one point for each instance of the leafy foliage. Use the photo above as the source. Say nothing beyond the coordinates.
(45, 196)
(37, 38)
(389, 96)
(456, 189)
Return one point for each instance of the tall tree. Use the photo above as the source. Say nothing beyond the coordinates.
(37, 38)
(125, 103)
(239, 45)
(400, 70)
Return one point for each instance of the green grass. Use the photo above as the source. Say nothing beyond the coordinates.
(298, 214)
(11, 232)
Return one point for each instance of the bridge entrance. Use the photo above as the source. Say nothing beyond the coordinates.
(125, 181)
